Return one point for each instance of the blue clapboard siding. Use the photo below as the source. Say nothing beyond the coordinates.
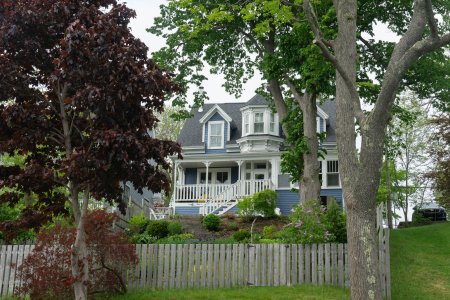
(286, 199)
(216, 117)
(190, 176)
(336, 193)
(187, 210)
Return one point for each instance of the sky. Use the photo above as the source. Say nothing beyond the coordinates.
(147, 10)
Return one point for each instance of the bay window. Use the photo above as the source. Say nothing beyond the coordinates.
(258, 124)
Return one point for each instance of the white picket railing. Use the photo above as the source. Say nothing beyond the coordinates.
(229, 196)
(198, 192)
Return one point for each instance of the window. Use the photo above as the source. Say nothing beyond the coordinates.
(260, 165)
(258, 125)
(215, 134)
(283, 181)
(272, 123)
(203, 177)
(320, 172)
(332, 173)
(222, 177)
(246, 123)
(318, 124)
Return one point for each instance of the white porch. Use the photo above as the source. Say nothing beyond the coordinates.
(229, 179)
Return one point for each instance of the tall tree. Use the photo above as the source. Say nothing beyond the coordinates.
(238, 38)
(441, 156)
(83, 97)
(421, 33)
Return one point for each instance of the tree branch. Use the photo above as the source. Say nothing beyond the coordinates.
(322, 44)
(431, 20)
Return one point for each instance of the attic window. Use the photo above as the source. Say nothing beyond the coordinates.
(215, 135)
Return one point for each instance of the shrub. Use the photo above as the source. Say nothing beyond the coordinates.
(308, 225)
(269, 232)
(228, 216)
(46, 272)
(265, 202)
(233, 226)
(242, 235)
(138, 224)
(158, 229)
(336, 222)
(175, 228)
(245, 208)
(262, 203)
(211, 222)
(183, 238)
(143, 238)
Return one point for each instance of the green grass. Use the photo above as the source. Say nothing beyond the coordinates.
(254, 293)
(420, 262)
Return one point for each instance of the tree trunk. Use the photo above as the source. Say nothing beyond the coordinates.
(79, 255)
(359, 193)
(310, 183)
(389, 200)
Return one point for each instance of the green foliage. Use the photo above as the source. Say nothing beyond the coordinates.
(308, 225)
(242, 236)
(262, 203)
(233, 226)
(211, 222)
(158, 229)
(265, 202)
(245, 208)
(143, 238)
(269, 232)
(336, 222)
(182, 238)
(296, 142)
(138, 224)
(175, 228)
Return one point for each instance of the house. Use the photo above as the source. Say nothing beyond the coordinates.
(239, 146)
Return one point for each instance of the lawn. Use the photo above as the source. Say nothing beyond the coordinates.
(420, 262)
(270, 293)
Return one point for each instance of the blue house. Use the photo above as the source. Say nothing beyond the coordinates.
(231, 150)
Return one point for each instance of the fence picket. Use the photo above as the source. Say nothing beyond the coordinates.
(341, 265)
(327, 264)
(321, 263)
(334, 270)
(314, 264)
(301, 264)
(198, 253)
(276, 265)
(229, 264)
(173, 257)
(270, 265)
(204, 253)
(308, 264)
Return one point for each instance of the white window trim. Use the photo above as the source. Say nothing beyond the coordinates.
(318, 124)
(325, 181)
(264, 121)
(222, 123)
(213, 172)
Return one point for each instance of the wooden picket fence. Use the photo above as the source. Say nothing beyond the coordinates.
(171, 266)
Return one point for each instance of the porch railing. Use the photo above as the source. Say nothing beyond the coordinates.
(198, 192)
(201, 193)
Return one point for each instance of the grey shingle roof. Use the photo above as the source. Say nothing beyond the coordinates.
(191, 134)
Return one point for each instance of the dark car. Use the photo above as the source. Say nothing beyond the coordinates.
(432, 211)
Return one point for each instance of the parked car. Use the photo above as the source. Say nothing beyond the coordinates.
(431, 211)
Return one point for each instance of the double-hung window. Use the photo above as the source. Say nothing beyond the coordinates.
(332, 173)
(272, 123)
(246, 123)
(215, 135)
(258, 125)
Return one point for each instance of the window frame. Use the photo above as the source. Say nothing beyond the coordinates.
(336, 171)
(222, 124)
(262, 122)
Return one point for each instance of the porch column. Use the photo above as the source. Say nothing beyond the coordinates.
(175, 181)
(181, 179)
(275, 164)
(239, 162)
(207, 163)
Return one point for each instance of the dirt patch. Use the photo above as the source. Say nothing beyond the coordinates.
(229, 224)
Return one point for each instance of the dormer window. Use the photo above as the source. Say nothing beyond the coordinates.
(215, 134)
(258, 124)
